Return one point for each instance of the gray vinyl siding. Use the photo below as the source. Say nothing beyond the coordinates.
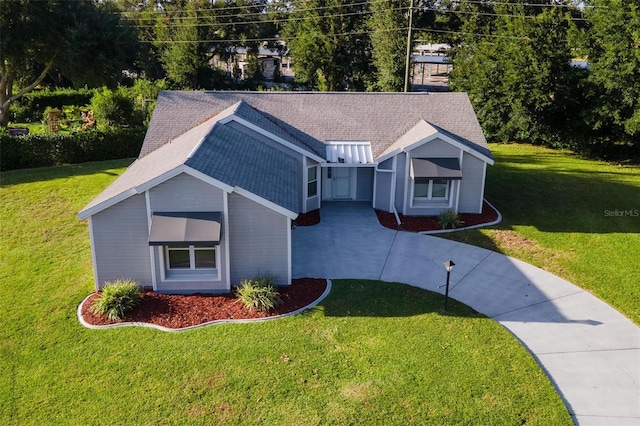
(259, 241)
(364, 183)
(437, 148)
(120, 239)
(386, 164)
(472, 184)
(184, 193)
(401, 175)
(383, 191)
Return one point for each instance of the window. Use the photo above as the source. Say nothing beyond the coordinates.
(312, 181)
(430, 189)
(190, 257)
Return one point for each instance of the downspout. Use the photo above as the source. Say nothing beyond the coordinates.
(395, 213)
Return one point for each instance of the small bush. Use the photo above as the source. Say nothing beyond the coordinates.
(449, 219)
(259, 293)
(117, 299)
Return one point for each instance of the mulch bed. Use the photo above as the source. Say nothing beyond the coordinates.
(179, 311)
(430, 223)
(308, 219)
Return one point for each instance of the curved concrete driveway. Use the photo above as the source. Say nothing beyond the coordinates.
(589, 350)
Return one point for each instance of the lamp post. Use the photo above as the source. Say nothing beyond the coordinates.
(448, 265)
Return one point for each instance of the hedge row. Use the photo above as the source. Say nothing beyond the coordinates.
(31, 106)
(42, 150)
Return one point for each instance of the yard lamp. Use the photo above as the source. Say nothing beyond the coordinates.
(448, 265)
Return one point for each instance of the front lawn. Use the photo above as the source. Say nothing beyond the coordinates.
(577, 218)
(371, 353)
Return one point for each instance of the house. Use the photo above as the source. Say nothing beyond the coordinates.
(222, 176)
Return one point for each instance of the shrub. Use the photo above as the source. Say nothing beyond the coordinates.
(42, 150)
(259, 293)
(114, 108)
(449, 219)
(117, 298)
(31, 106)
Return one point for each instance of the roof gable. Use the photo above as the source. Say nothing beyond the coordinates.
(424, 132)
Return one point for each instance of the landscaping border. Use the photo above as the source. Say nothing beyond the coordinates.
(223, 321)
(464, 228)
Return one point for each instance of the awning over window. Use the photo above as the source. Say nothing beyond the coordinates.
(349, 152)
(201, 228)
(436, 168)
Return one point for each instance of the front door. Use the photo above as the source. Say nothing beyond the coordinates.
(341, 182)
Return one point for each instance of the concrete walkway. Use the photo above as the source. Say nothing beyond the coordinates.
(589, 350)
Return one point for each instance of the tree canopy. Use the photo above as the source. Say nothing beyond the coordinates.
(85, 42)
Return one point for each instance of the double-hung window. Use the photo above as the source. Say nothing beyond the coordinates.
(312, 181)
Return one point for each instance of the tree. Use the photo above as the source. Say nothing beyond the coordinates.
(388, 25)
(515, 68)
(613, 47)
(329, 43)
(84, 41)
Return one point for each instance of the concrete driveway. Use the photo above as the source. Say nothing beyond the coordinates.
(590, 351)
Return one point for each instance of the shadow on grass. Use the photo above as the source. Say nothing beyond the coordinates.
(554, 194)
(367, 298)
(16, 177)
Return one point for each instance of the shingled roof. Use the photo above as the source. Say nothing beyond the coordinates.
(312, 118)
(189, 129)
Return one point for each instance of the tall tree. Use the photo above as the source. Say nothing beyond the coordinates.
(84, 41)
(388, 24)
(515, 68)
(329, 43)
(613, 47)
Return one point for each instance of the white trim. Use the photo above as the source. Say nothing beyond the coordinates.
(484, 175)
(305, 179)
(157, 180)
(431, 202)
(152, 183)
(207, 179)
(154, 284)
(266, 203)
(227, 254)
(394, 178)
(199, 144)
(270, 135)
(354, 165)
(289, 257)
(93, 255)
(375, 180)
(457, 206)
(444, 138)
(407, 171)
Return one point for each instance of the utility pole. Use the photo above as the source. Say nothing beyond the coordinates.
(407, 73)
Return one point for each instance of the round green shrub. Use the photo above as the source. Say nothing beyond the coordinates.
(117, 298)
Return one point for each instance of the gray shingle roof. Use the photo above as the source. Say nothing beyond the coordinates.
(305, 119)
(238, 160)
(315, 117)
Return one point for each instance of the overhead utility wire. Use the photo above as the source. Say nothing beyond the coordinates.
(269, 21)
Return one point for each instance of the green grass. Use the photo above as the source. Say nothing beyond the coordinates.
(554, 206)
(371, 353)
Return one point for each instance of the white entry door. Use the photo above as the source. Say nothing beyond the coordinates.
(341, 182)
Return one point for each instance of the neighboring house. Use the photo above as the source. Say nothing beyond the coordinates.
(221, 177)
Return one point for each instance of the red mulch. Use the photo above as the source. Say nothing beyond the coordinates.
(308, 219)
(430, 223)
(179, 311)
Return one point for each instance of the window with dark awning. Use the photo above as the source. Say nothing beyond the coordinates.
(200, 228)
(436, 168)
